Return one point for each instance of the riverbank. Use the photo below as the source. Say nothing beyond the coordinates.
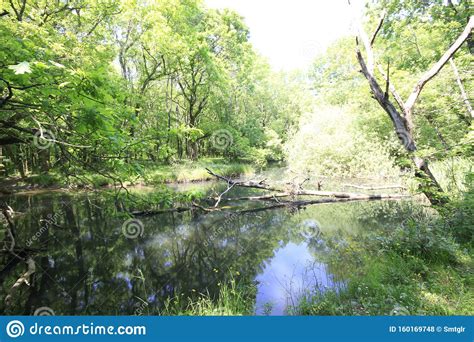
(422, 267)
(152, 175)
(387, 257)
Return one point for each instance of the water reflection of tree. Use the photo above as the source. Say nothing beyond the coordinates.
(345, 225)
(89, 267)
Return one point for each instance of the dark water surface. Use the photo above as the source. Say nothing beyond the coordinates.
(90, 260)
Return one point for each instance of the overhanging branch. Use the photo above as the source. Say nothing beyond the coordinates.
(439, 65)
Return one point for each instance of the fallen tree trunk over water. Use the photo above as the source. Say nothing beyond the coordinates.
(152, 212)
(248, 184)
(362, 187)
(331, 197)
(298, 192)
(314, 193)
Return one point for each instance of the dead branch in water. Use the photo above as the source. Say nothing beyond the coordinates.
(24, 279)
(296, 192)
(331, 197)
(300, 204)
(13, 250)
(152, 212)
(273, 197)
(8, 212)
(279, 204)
(247, 184)
(219, 198)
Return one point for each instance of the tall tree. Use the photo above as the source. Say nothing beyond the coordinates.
(403, 118)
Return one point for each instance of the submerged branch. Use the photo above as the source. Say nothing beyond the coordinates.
(375, 187)
(300, 204)
(24, 279)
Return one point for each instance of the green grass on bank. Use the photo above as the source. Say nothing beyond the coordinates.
(182, 172)
(419, 268)
(233, 300)
(196, 171)
(396, 285)
(54, 180)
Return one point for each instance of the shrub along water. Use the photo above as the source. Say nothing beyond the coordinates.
(422, 267)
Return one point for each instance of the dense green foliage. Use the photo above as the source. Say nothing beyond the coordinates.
(425, 265)
(329, 142)
(126, 92)
(412, 38)
(113, 86)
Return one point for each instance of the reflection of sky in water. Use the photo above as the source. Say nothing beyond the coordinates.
(291, 273)
(126, 278)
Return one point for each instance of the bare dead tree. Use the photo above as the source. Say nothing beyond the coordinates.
(403, 119)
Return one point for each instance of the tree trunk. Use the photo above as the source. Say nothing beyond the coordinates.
(428, 183)
(44, 157)
(403, 123)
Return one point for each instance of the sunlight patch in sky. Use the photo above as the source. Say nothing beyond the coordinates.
(290, 33)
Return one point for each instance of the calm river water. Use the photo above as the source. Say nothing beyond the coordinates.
(88, 261)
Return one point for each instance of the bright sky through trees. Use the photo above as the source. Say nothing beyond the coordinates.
(291, 33)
